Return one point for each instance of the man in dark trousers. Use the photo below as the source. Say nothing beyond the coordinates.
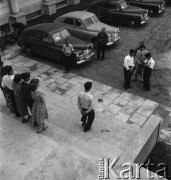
(149, 65)
(85, 105)
(128, 68)
(102, 39)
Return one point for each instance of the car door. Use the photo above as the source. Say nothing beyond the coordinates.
(35, 41)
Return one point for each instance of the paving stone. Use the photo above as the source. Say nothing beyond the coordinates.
(120, 102)
(33, 67)
(136, 126)
(25, 60)
(145, 111)
(100, 106)
(150, 104)
(122, 116)
(43, 68)
(126, 96)
(106, 88)
(60, 91)
(113, 93)
(84, 80)
(114, 109)
(35, 73)
(75, 90)
(53, 86)
(21, 69)
(7, 63)
(129, 109)
(44, 75)
(61, 80)
(48, 81)
(18, 63)
(70, 75)
(137, 98)
(66, 86)
(74, 80)
(17, 58)
(138, 119)
(136, 102)
(57, 75)
(30, 63)
(52, 70)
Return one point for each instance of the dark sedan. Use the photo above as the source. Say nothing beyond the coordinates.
(119, 11)
(154, 6)
(47, 40)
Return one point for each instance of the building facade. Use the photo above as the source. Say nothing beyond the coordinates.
(12, 11)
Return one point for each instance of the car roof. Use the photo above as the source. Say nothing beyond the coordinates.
(78, 14)
(49, 28)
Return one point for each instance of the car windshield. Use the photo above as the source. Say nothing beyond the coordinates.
(124, 5)
(95, 19)
(60, 35)
(88, 22)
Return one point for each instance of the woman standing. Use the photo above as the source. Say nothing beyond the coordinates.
(21, 105)
(39, 110)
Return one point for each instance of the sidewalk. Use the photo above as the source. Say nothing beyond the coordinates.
(64, 151)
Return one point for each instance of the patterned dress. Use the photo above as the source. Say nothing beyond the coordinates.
(39, 110)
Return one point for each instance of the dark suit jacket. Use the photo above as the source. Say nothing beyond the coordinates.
(102, 39)
(26, 92)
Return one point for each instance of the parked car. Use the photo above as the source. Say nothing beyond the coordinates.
(119, 11)
(86, 26)
(154, 6)
(47, 40)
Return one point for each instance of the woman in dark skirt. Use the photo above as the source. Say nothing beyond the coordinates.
(21, 105)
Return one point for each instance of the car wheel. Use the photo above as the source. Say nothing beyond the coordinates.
(94, 41)
(28, 50)
(132, 23)
(151, 12)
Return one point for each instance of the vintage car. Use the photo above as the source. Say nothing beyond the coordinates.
(47, 40)
(86, 26)
(119, 11)
(153, 6)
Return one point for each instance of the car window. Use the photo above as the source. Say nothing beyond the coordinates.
(59, 36)
(35, 35)
(47, 39)
(95, 19)
(123, 5)
(69, 21)
(78, 22)
(88, 21)
(65, 33)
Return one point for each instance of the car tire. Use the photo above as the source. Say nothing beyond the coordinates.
(94, 41)
(133, 23)
(151, 12)
(28, 50)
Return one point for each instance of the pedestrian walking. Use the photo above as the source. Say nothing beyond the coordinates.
(7, 82)
(67, 50)
(128, 68)
(85, 105)
(149, 65)
(21, 105)
(39, 110)
(102, 39)
(139, 62)
(26, 90)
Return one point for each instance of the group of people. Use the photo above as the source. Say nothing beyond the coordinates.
(23, 97)
(138, 63)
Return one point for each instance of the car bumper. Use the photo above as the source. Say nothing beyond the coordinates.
(86, 59)
(144, 21)
(161, 10)
(113, 42)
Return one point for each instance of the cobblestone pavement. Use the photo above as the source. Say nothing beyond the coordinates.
(129, 108)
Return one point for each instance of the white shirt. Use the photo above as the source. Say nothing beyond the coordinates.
(128, 61)
(85, 100)
(67, 49)
(150, 63)
(7, 81)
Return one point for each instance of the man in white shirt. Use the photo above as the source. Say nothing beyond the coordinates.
(149, 65)
(85, 105)
(139, 62)
(67, 50)
(128, 68)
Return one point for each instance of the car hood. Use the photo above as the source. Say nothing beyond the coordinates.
(153, 1)
(76, 43)
(133, 9)
(98, 26)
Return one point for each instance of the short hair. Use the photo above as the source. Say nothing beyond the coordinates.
(34, 84)
(132, 51)
(87, 86)
(17, 78)
(9, 69)
(142, 46)
(148, 55)
(25, 76)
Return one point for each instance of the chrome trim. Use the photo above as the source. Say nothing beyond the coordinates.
(143, 22)
(88, 58)
(113, 42)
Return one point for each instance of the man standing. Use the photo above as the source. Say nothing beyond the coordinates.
(85, 105)
(139, 62)
(67, 50)
(102, 39)
(149, 65)
(128, 68)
